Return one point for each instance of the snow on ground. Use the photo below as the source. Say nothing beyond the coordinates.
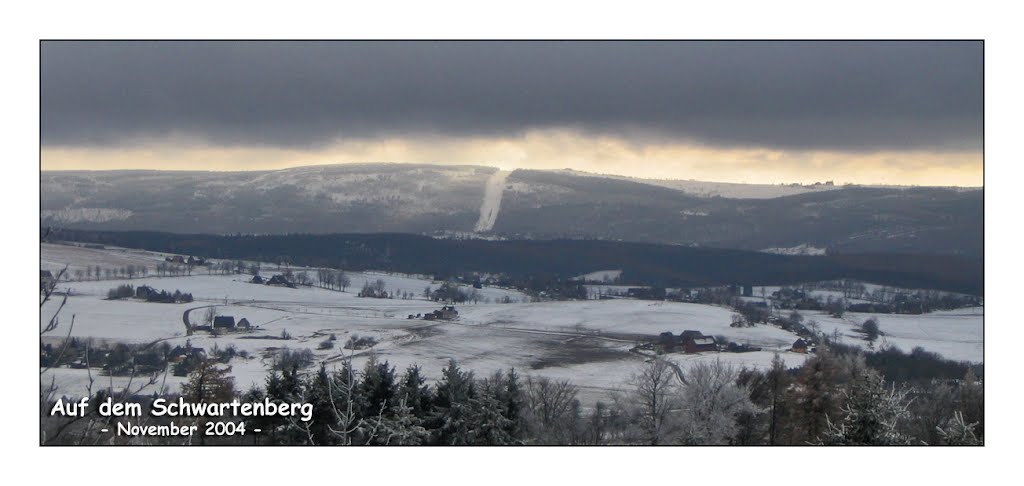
(230, 288)
(122, 321)
(761, 360)
(92, 215)
(586, 342)
(599, 276)
(75, 383)
(804, 249)
(625, 317)
(55, 256)
(610, 289)
(957, 335)
(718, 189)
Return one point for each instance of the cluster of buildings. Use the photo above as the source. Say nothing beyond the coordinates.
(276, 280)
(446, 313)
(691, 342)
(225, 323)
(191, 260)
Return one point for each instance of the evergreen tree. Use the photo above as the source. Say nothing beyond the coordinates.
(403, 428)
(414, 392)
(778, 381)
(958, 432)
(871, 414)
(512, 403)
(320, 394)
(452, 420)
(209, 383)
(378, 388)
(817, 393)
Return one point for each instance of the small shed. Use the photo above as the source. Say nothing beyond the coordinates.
(244, 323)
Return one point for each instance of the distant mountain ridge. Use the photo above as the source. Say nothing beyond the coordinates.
(439, 200)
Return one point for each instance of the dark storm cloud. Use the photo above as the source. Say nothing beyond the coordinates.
(793, 95)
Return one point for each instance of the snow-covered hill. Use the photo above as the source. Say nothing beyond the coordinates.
(522, 204)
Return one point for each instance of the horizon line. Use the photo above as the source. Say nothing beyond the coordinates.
(836, 183)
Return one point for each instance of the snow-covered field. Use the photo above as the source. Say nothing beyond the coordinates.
(956, 335)
(55, 257)
(587, 342)
(803, 249)
(601, 276)
(717, 189)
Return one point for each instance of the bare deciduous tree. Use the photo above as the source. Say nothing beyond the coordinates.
(655, 390)
(711, 400)
(550, 409)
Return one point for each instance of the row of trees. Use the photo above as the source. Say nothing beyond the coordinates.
(333, 279)
(95, 272)
(162, 269)
(835, 398)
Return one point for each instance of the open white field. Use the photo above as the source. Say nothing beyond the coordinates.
(956, 335)
(757, 359)
(55, 256)
(626, 317)
(587, 342)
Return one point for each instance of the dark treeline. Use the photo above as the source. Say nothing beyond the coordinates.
(642, 264)
(917, 366)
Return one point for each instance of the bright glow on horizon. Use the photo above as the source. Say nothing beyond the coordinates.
(547, 150)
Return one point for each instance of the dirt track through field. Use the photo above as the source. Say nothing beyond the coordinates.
(188, 324)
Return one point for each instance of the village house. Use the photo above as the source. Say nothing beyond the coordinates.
(224, 322)
(180, 353)
(244, 323)
(695, 341)
(646, 293)
(701, 344)
(449, 312)
(144, 291)
(256, 279)
(175, 259)
(446, 313)
(800, 346)
(280, 280)
(686, 335)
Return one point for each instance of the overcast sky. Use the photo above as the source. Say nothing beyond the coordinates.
(886, 112)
